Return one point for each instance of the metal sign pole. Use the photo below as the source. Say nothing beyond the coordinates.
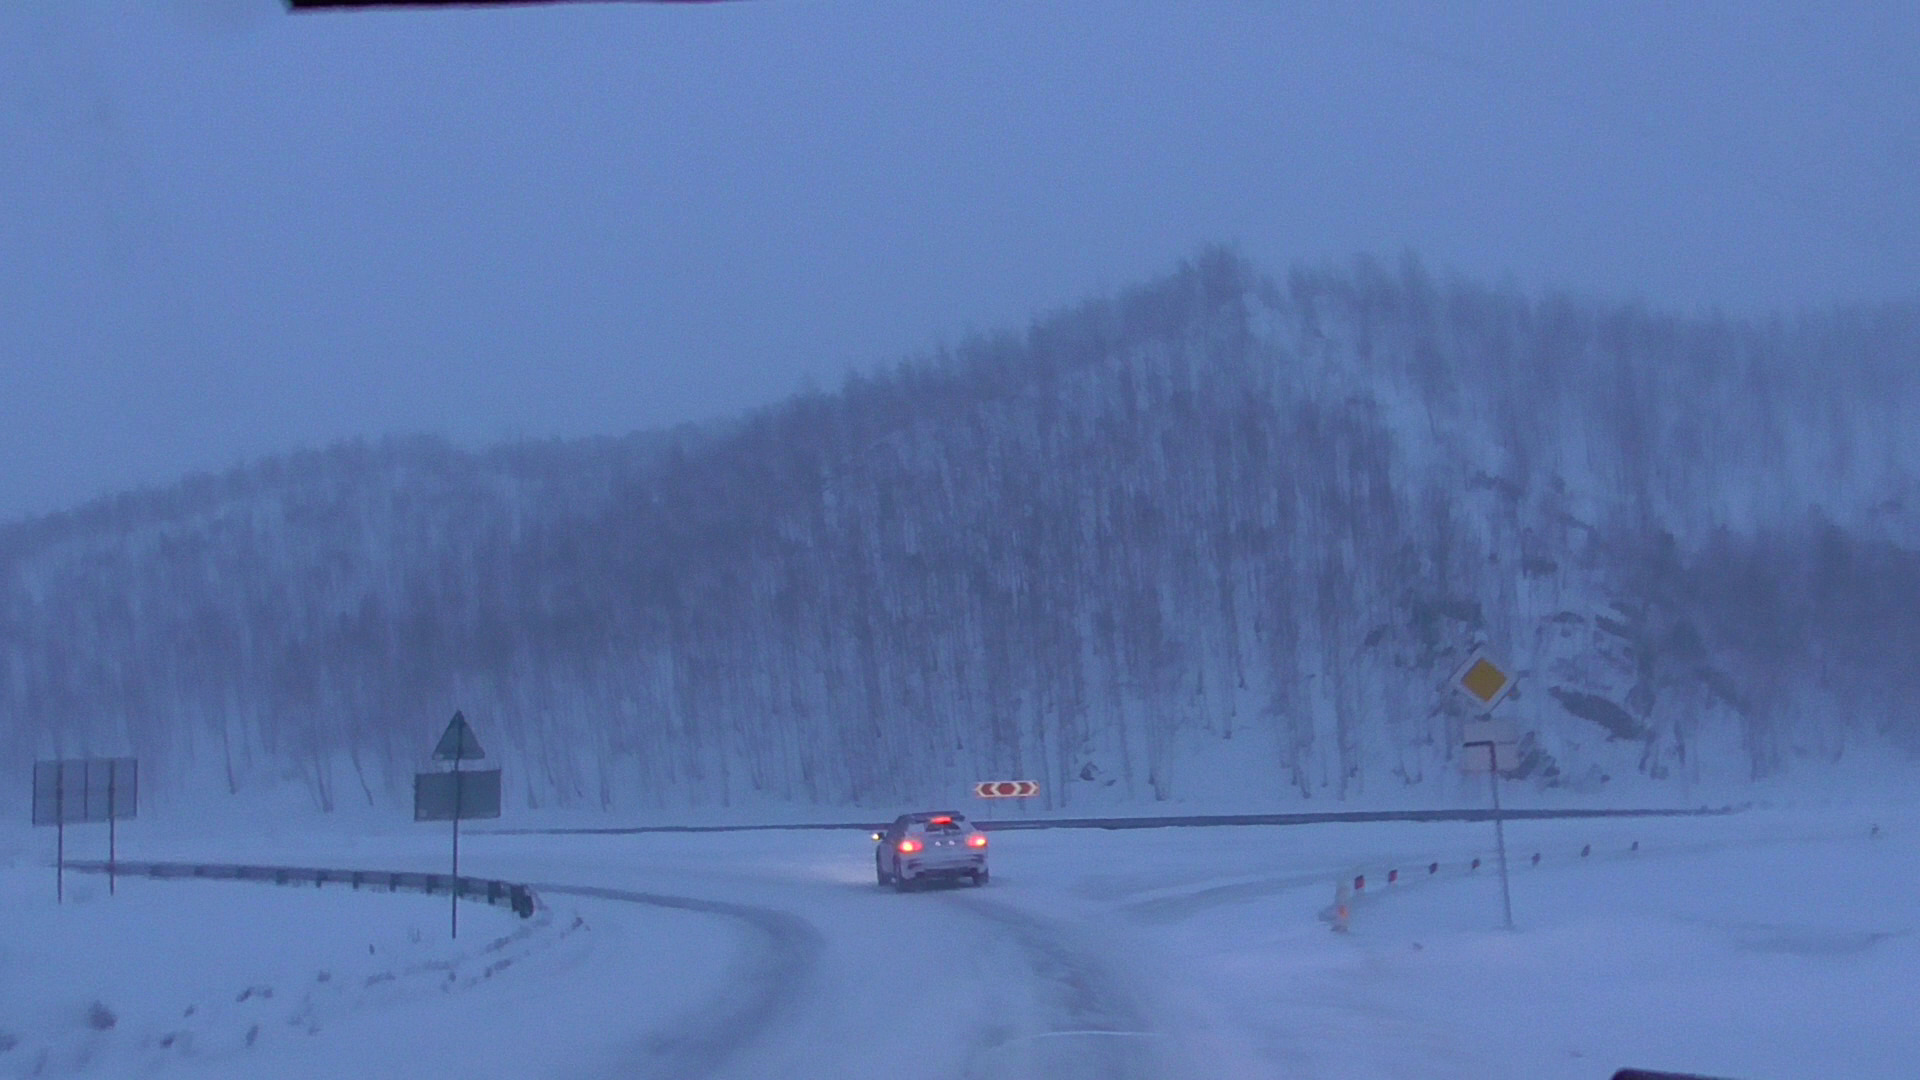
(442, 796)
(112, 815)
(1500, 834)
(60, 835)
(454, 891)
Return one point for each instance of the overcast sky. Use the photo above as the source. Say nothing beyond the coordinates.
(227, 232)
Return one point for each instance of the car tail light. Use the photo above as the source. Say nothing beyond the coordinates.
(909, 846)
(978, 839)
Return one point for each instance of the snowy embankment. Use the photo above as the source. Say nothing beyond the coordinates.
(221, 979)
(1768, 949)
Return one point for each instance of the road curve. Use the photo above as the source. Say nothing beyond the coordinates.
(757, 994)
(1092, 1021)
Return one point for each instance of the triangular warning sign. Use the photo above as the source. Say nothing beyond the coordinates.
(458, 743)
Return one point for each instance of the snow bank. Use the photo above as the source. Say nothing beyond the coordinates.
(1746, 957)
(218, 979)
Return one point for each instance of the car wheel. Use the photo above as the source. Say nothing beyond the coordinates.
(901, 883)
(880, 872)
(980, 878)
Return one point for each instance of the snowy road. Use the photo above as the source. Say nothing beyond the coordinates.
(1156, 955)
(838, 977)
(1077, 1015)
(754, 997)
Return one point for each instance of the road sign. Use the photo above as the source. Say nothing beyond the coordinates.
(84, 791)
(1479, 758)
(1007, 789)
(458, 742)
(456, 796)
(1482, 680)
(1489, 731)
(1489, 744)
(1486, 757)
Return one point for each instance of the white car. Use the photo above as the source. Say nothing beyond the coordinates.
(932, 846)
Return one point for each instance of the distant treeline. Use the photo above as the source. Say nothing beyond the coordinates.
(1216, 517)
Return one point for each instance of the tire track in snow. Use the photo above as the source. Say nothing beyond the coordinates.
(1096, 1027)
(757, 995)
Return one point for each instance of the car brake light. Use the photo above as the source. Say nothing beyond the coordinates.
(978, 839)
(942, 821)
(908, 847)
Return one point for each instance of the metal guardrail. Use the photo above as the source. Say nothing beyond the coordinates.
(506, 894)
(1175, 821)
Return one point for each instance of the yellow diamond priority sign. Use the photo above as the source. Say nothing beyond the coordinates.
(1483, 680)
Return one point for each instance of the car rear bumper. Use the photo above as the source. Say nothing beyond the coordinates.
(964, 866)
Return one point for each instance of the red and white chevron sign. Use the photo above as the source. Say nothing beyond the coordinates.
(1006, 789)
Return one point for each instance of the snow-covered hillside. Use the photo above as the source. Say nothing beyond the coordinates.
(1221, 534)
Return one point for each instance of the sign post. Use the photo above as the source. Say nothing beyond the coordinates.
(84, 791)
(450, 796)
(1500, 836)
(1483, 681)
(1499, 740)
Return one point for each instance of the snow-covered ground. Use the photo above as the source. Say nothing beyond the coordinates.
(225, 980)
(1764, 946)
(1765, 957)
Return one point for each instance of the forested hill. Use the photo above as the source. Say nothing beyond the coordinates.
(1219, 534)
